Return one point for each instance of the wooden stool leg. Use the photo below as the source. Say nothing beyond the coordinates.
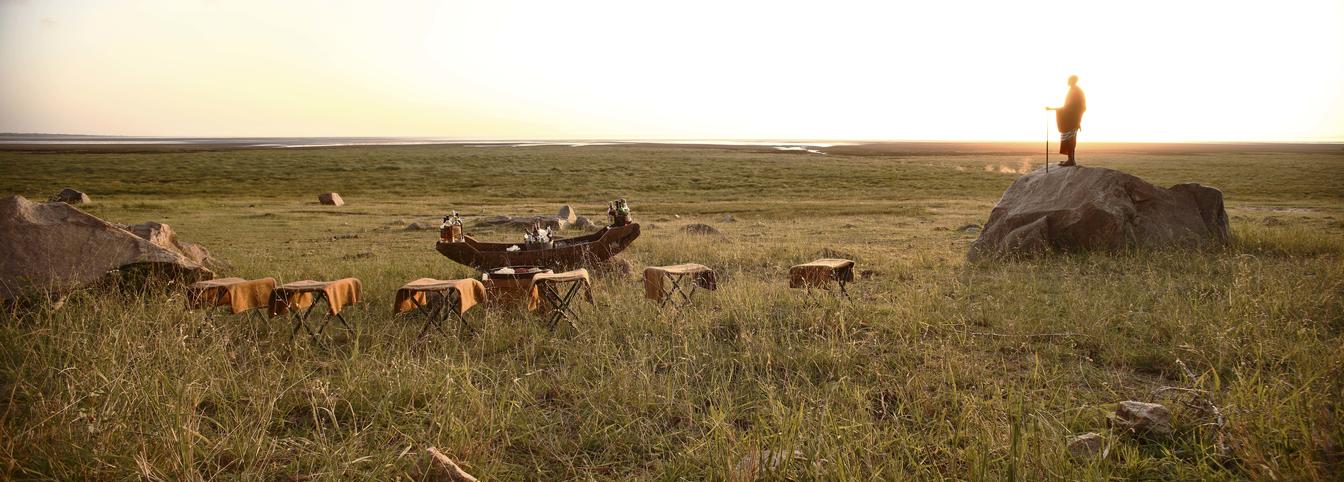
(453, 303)
(552, 298)
(669, 293)
(687, 294)
(560, 305)
(569, 302)
(436, 311)
(420, 307)
(345, 323)
(843, 278)
(460, 319)
(301, 320)
(326, 318)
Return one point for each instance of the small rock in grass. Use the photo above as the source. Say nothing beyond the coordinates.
(701, 229)
(1142, 418)
(330, 199)
(728, 218)
(584, 223)
(969, 228)
(71, 196)
(1086, 445)
(344, 236)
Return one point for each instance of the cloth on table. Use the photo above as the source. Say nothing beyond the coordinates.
(510, 290)
(470, 291)
(507, 286)
(656, 276)
(820, 272)
(579, 275)
(236, 293)
(299, 295)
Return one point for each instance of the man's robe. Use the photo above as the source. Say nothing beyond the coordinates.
(1070, 117)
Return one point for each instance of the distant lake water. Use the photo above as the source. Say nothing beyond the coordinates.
(289, 142)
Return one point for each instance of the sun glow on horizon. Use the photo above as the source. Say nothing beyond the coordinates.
(1153, 71)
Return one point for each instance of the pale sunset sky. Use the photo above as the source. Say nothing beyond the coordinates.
(835, 70)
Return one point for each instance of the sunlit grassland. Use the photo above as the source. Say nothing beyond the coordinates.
(938, 369)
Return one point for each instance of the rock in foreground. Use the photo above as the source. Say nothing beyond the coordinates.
(52, 248)
(1093, 208)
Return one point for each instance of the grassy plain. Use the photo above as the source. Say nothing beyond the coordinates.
(939, 369)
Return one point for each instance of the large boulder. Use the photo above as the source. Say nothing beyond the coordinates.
(71, 196)
(330, 199)
(51, 248)
(164, 237)
(1093, 208)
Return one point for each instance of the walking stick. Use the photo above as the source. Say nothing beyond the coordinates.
(1047, 143)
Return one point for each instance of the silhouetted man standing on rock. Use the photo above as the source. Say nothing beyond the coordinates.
(1069, 118)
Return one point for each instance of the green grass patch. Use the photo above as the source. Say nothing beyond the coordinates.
(938, 369)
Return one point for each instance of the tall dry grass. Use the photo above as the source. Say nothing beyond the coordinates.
(937, 369)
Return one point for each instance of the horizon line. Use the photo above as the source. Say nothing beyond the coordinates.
(801, 140)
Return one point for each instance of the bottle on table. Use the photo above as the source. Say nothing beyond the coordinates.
(451, 229)
(619, 212)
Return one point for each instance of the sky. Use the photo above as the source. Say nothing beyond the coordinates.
(1165, 70)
